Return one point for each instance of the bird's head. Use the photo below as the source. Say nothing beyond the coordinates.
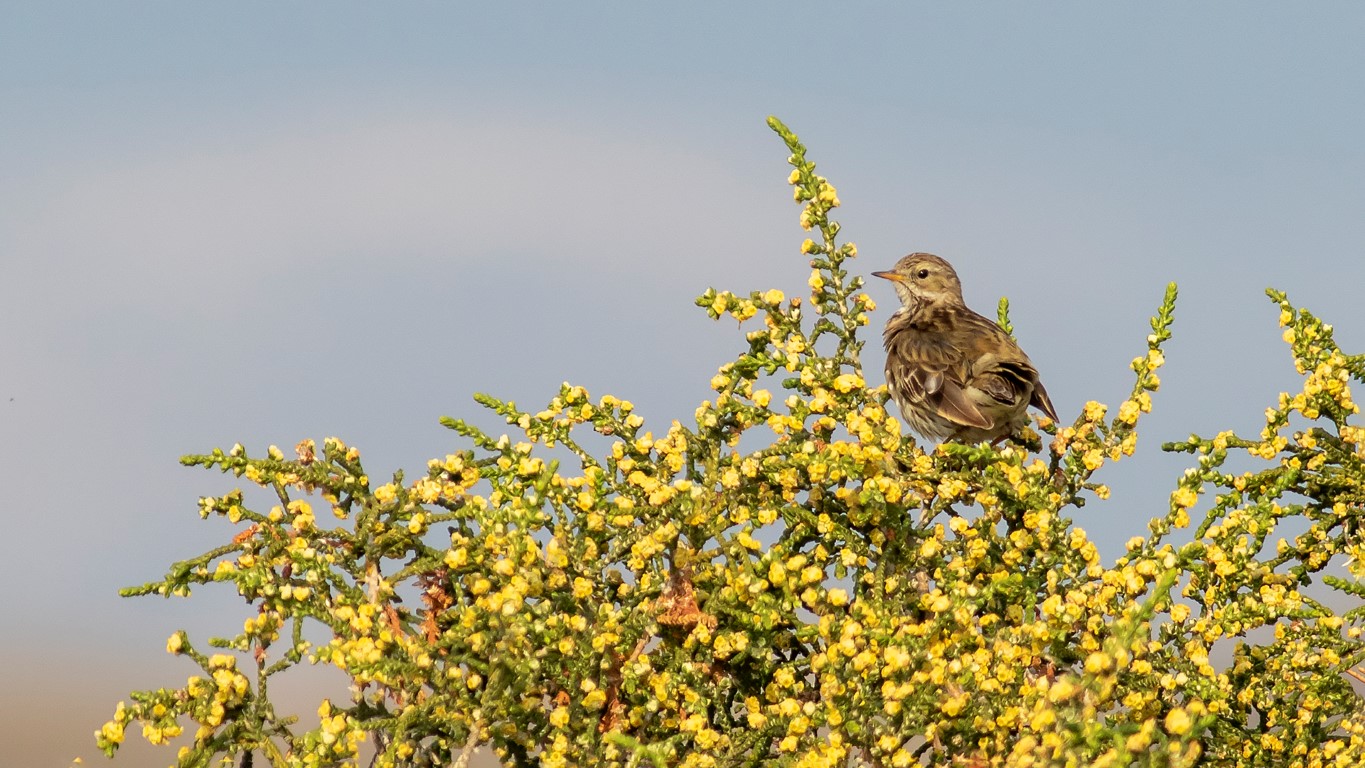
(923, 279)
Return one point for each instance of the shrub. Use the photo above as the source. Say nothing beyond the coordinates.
(825, 592)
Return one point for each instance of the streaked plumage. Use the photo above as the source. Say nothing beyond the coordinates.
(954, 374)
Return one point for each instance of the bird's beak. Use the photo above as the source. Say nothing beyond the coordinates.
(892, 276)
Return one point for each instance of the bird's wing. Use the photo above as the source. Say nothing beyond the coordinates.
(954, 405)
(1000, 385)
(1003, 371)
(926, 369)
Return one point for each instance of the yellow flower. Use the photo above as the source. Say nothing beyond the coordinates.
(828, 195)
(1178, 721)
(777, 574)
(896, 657)
(1062, 690)
(848, 382)
(559, 717)
(385, 494)
(1183, 498)
(1042, 719)
(112, 731)
(1093, 459)
(730, 478)
(954, 705)
(1099, 662)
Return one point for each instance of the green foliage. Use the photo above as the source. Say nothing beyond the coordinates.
(837, 595)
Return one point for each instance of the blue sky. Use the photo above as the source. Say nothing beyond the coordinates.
(265, 222)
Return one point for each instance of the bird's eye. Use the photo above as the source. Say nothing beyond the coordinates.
(923, 273)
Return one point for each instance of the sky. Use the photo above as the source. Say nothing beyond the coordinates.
(260, 222)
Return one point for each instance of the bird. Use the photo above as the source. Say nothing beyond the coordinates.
(955, 375)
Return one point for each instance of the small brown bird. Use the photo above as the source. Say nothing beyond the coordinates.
(954, 374)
